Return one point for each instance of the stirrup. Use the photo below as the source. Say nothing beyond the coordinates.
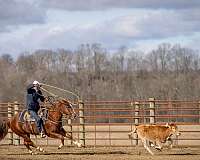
(42, 135)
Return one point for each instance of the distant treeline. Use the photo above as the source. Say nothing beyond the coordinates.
(93, 72)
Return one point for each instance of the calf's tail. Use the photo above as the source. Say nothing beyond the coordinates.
(133, 131)
(4, 126)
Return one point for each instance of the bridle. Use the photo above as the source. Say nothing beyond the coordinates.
(71, 110)
(69, 107)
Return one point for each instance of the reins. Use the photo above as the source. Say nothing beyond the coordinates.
(52, 120)
(58, 97)
(51, 109)
(49, 118)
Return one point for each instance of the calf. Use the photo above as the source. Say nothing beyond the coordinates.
(155, 134)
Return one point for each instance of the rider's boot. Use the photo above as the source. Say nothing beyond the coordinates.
(42, 135)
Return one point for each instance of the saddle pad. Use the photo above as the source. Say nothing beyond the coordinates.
(25, 116)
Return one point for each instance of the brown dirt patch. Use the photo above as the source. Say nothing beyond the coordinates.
(100, 153)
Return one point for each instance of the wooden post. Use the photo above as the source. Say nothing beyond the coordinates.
(16, 137)
(199, 111)
(70, 129)
(152, 110)
(10, 133)
(136, 120)
(82, 124)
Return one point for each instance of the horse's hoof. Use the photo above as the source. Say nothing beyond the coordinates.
(60, 146)
(32, 153)
(40, 149)
(79, 145)
(159, 149)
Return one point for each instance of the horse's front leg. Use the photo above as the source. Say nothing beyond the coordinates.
(68, 136)
(57, 136)
(75, 142)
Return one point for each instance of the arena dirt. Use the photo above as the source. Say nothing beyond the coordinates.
(101, 153)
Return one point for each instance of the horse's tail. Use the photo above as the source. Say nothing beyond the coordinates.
(4, 126)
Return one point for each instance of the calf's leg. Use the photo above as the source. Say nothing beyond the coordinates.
(158, 146)
(146, 146)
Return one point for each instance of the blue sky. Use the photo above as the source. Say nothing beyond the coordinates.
(139, 25)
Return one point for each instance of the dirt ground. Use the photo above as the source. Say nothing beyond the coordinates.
(100, 153)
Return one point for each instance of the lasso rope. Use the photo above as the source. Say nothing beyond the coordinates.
(54, 95)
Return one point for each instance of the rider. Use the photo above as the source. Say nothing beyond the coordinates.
(34, 94)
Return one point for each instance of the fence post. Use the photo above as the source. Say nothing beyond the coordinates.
(199, 111)
(152, 110)
(82, 123)
(136, 120)
(10, 133)
(69, 121)
(16, 137)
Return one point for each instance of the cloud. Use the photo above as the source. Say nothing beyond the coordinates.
(125, 30)
(14, 13)
(155, 24)
(132, 29)
(80, 5)
(18, 12)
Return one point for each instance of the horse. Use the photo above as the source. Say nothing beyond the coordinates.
(52, 125)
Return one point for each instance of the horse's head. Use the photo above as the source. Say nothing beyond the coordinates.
(66, 107)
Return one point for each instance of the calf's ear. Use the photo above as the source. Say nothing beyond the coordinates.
(167, 125)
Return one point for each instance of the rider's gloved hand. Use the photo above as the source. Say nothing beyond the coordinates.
(46, 99)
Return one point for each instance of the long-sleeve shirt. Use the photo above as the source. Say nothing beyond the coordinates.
(33, 97)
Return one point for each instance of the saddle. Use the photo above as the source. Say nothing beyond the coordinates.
(43, 113)
(25, 116)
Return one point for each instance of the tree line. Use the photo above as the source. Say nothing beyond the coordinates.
(95, 73)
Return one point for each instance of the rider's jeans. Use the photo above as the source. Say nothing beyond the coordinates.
(38, 120)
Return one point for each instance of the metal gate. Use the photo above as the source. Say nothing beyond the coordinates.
(106, 123)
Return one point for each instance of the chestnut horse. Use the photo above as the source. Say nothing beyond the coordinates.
(52, 125)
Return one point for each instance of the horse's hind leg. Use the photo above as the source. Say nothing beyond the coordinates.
(28, 143)
(37, 147)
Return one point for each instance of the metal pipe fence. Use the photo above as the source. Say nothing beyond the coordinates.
(106, 123)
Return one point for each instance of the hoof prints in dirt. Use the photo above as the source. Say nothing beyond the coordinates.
(76, 153)
(183, 154)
